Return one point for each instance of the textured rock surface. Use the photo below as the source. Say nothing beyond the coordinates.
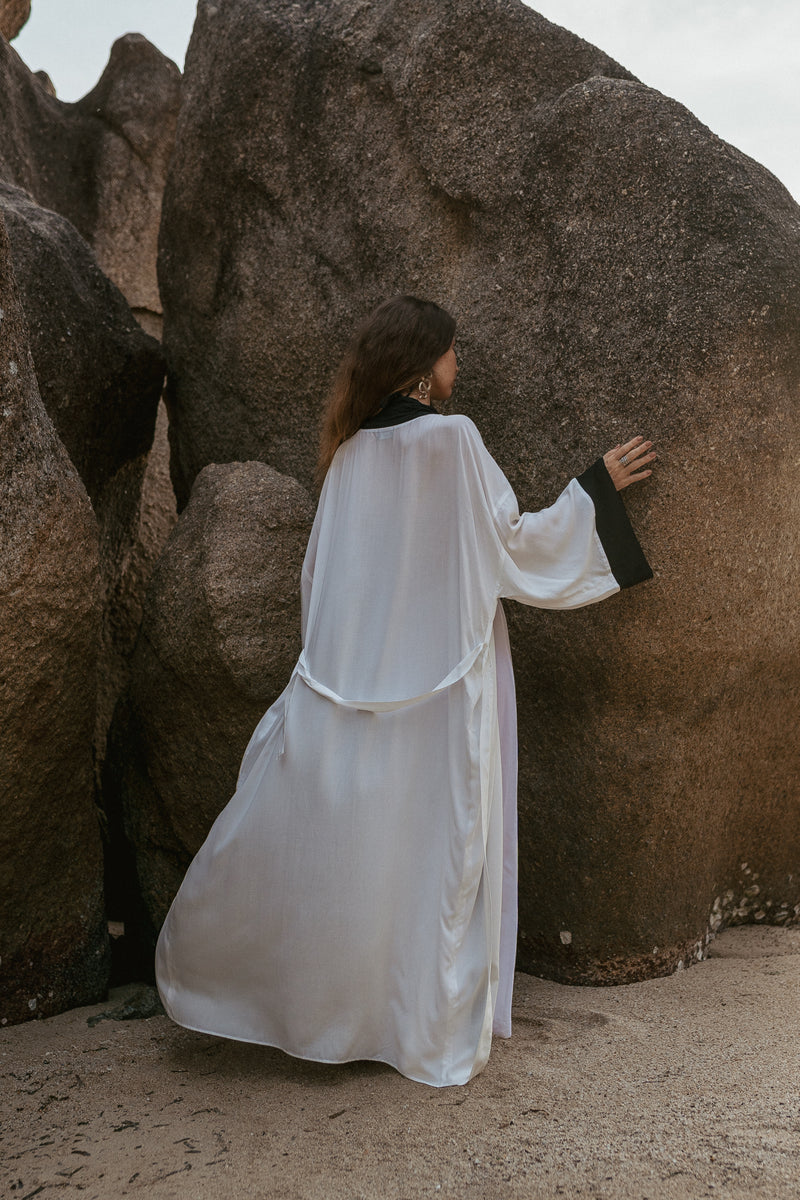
(322, 161)
(615, 268)
(96, 169)
(53, 943)
(100, 378)
(99, 374)
(101, 162)
(13, 15)
(219, 639)
(132, 112)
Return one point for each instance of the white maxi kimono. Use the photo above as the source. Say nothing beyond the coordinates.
(356, 898)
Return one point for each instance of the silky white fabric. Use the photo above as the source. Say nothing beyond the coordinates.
(355, 899)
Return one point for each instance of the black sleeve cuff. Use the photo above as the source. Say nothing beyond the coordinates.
(625, 555)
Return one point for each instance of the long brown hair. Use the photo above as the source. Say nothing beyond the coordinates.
(392, 350)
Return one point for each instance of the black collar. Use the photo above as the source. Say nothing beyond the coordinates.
(396, 410)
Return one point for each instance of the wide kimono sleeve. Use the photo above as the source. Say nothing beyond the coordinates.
(577, 551)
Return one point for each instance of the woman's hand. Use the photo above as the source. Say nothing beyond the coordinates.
(624, 463)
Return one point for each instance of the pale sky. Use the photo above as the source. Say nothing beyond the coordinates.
(734, 63)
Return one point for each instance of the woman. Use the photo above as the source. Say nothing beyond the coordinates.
(356, 899)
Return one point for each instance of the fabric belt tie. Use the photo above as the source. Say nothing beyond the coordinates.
(458, 672)
(376, 706)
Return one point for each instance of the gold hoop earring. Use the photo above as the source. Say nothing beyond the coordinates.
(424, 389)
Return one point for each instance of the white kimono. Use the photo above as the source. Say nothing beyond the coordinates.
(355, 898)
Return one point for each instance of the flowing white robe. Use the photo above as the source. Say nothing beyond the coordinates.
(355, 899)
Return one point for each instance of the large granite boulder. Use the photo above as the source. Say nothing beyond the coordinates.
(99, 374)
(615, 268)
(101, 162)
(13, 15)
(131, 112)
(322, 161)
(100, 379)
(219, 640)
(53, 941)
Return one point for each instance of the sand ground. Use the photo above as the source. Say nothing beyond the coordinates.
(672, 1089)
